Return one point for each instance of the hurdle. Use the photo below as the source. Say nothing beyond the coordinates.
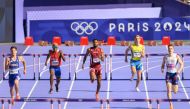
(162, 54)
(39, 67)
(150, 101)
(75, 70)
(34, 66)
(110, 63)
(183, 55)
(102, 101)
(147, 65)
(50, 100)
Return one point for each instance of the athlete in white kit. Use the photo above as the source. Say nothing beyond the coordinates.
(172, 74)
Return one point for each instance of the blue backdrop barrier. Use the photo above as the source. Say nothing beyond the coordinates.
(122, 29)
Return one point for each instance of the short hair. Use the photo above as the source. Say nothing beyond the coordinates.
(94, 40)
(55, 44)
(170, 45)
(137, 36)
(13, 47)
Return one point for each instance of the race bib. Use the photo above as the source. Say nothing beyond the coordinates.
(96, 60)
(55, 63)
(15, 71)
(170, 66)
(137, 54)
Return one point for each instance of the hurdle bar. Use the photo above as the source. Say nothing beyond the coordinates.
(110, 63)
(108, 101)
(147, 64)
(34, 68)
(47, 99)
(183, 55)
(75, 70)
(150, 101)
(163, 54)
(39, 67)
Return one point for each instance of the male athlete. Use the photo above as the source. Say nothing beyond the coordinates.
(55, 57)
(172, 73)
(96, 56)
(137, 52)
(12, 65)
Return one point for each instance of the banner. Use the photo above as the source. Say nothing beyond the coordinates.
(122, 29)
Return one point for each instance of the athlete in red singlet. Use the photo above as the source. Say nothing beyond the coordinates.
(55, 57)
(96, 56)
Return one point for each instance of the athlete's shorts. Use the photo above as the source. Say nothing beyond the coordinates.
(172, 78)
(137, 64)
(96, 68)
(12, 78)
(56, 70)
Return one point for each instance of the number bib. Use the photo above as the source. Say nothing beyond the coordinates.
(55, 62)
(15, 71)
(170, 66)
(137, 54)
(96, 60)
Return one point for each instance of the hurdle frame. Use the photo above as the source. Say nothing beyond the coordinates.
(34, 67)
(75, 72)
(39, 67)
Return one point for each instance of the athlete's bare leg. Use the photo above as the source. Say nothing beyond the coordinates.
(133, 71)
(138, 80)
(169, 93)
(51, 81)
(99, 79)
(92, 75)
(17, 89)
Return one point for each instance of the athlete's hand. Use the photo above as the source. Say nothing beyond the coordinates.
(45, 63)
(177, 73)
(24, 71)
(83, 66)
(126, 60)
(162, 70)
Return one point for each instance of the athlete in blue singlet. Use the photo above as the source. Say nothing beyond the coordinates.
(12, 66)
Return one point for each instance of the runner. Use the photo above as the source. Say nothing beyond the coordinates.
(96, 56)
(137, 52)
(172, 74)
(55, 57)
(12, 65)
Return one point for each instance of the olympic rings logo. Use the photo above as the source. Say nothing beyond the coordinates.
(84, 27)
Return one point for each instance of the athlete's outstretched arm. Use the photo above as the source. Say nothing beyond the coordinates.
(181, 64)
(23, 62)
(163, 64)
(85, 56)
(126, 53)
(62, 56)
(47, 58)
(143, 52)
(7, 62)
(102, 55)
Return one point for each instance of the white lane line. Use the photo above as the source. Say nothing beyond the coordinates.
(73, 79)
(182, 85)
(31, 91)
(25, 50)
(146, 88)
(36, 82)
(109, 74)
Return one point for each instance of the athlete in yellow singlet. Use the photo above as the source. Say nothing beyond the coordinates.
(137, 52)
